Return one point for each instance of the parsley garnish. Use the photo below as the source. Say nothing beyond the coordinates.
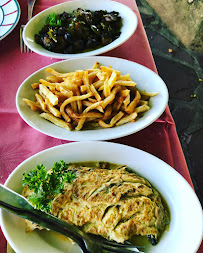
(53, 20)
(46, 185)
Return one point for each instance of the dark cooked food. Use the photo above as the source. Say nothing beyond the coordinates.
(82, 30)
(108, 201)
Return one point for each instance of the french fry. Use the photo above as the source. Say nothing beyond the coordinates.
(125, 83)
(69, 85)
(46, 83)
(133, 104)
(109, 70)
(127, 119)
(142, 102)
(88, 103)
(34, 106)
(97, 95)
(117, 103)
(103, 75)
(75, 116)
(54, 79)
(142, 108)
(112, 79)
(52, 109)
(66, 93)
(60, 96)
(111, 97)
(149, 94)
(56, 121)
(41, 101)
(116, 118)
(126, 101)
(113, 121)
(98, 84)
(83, 89)
(57, 74)
(86, 81)
(80, 124)
(95, 92)
(35, 86)
(96, 65)
(93, 100)
(93, 106)
(125, 77)
(106, 90)
(79, 103)
(75, 98)
(92, 75)
(70, 100)
(124, 93)
(47, 93)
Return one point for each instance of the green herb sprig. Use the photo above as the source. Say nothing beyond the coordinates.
(46, 185)
(53, 20)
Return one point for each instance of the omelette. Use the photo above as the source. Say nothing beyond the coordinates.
(112, 202)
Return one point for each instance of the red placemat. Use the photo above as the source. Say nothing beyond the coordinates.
(18, 141)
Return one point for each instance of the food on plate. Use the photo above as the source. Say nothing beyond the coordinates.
(79, 31)
(99, 197)
(95, 97)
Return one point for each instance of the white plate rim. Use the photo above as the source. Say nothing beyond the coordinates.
(40, 50)
(150, 159)
(15, 22)
(99, 134)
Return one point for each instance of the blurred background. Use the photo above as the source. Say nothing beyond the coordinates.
(175, 33)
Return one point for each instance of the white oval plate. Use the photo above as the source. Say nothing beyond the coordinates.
(186, 225)
(35, 24)
(145, 79)
(9, 16)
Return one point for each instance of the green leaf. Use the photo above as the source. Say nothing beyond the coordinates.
(53, 20)
(47, 184)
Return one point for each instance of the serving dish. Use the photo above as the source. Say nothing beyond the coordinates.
(185, 209)
(145, 79)
(35, 24)
(9, 16)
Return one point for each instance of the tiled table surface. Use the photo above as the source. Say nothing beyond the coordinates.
(182, 70)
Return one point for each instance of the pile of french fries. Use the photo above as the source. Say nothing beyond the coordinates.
(101, 95)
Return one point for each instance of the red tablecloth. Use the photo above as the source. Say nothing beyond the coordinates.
(18, 141)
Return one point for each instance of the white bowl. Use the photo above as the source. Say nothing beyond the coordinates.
(145, 79)
(129, 20)
(186, 224)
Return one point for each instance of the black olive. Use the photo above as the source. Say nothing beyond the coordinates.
(86, 32)
(60, 45)
(115, 13)
(91, 43)
(99, 14)
(79, 45)
(110, 18)
(79, 30)
(48, 43)
(68, 38)
(64, 16)
(37, 39)
(106, 39)
(88, 17)
(79, 14)
(44, 30)
(61, 31)
(95, 29)
(68, 50)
